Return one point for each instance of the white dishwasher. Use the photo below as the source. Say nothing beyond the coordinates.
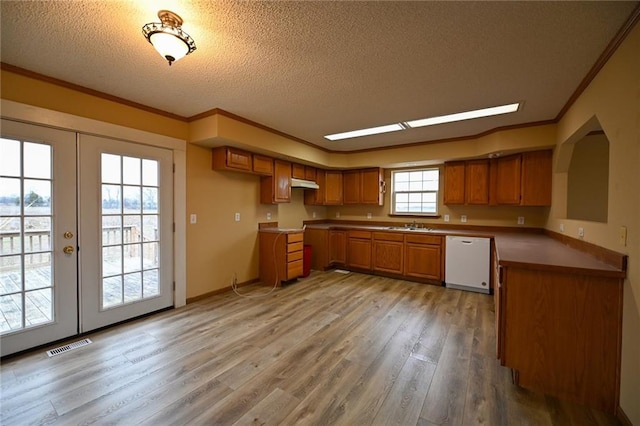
(467, 263)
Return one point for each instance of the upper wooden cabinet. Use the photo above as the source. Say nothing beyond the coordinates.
(333, 187)
(277, 188)
(523, 179)
(297, 171)
(454, 182)
(227, 158)
(466, 182)
(315, 197)
(262, 165)
(310, 173)
(365, 186)
(537, 171)
(520, 180)
(508, 175)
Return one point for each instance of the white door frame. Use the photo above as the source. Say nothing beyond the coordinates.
(46, 117)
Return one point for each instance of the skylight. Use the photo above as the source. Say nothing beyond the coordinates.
(429, 121)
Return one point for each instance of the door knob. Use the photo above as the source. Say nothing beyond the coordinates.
(68, 249)
(68, 235)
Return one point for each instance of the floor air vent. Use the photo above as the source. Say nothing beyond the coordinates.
(69, 347)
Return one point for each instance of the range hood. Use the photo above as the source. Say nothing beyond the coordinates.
(301, 183)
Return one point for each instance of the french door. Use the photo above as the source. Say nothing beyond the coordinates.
(85, 233)
(126, 230)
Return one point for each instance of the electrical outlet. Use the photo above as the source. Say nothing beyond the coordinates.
(237, 217)
(313, 214)
(446, 218)
(562, 227)
(520, 220)
(368, 215)
(622, 237)
(463, 218)
(268, 215)
(337, 215)
(581, 232)
(193, 219)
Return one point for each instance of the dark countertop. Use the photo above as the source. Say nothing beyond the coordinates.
(282, 230)
(516, 249)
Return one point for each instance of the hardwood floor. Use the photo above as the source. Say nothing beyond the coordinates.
(330, 349)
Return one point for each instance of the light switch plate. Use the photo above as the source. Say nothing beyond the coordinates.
(237, 217)
(446, 218)
(581, 232)
(193, 218)
(313, 214)
(268, 215)
(520, 220)
(622, 238)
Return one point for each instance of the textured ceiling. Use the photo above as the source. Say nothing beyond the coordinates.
(315, 68)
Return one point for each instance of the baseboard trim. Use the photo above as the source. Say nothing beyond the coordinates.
(622, 417)
(221, 291)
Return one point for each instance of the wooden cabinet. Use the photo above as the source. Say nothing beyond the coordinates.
(388, 252)
(454, 181)
(423, 257)
(262, 165)
(363, 186)
(228, 158)
(297, 171)
(359, 249)
(315, 197)
(310, 173)
(560, 332)
(466, 182)
(277, 188)
(477, 182)
(333, 187)
(523, 179)
(508, 179)
(536, 178)
(280, 256)
(337, 247)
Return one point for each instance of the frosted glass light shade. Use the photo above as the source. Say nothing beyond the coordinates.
(169, 46)
(168, 38)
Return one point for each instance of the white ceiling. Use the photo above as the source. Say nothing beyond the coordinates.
(314, 68)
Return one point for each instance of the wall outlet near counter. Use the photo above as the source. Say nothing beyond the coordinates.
(337, 215)
(520, 220)
(313, 214)
(463, 218)
(562, 227)
(581, 233)
(622, 237)
(236, 217)
(368, 215)
(446, 218)
(269, 216)
(193, 219)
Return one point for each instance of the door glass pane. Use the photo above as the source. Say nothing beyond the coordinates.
(130, 237)
(26, 223)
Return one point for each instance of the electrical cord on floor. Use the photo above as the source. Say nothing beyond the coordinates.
(234, 285)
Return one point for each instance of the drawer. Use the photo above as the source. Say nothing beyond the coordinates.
(360, 234)
(388, 236)
(296, 255)
(294, 269)
(423, 239)
(294, 238)
(291, 247)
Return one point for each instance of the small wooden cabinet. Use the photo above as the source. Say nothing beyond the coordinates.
(297, 171)
(536, 178)
(315, 197)
(359, 249)
(280, 256)
(365, 186)
(228, 158)
(388, 252)
(333, 187)
(262, 165)
(277, 188)
(508, 179)
(423, 257)
(466, 182)
(337, 247)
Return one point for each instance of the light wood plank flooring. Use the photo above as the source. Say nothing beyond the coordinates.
(330, 349)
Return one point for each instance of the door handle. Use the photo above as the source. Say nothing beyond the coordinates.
(68, 249)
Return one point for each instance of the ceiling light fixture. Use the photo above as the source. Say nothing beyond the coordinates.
(467, 115)
(366, 132)
(168, 38)
(460, 116)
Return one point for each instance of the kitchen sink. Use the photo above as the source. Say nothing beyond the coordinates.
(409, 228)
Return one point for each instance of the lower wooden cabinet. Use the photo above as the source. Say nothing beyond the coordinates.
(280, 256)
(337, 247)
(388, 252)
(423, 257)
(359, 249)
